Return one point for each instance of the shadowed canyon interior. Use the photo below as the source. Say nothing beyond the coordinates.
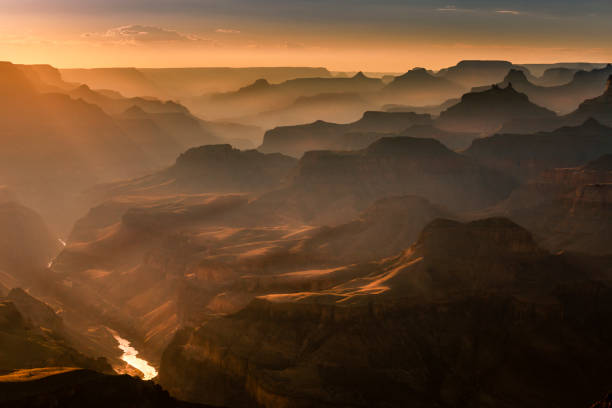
(305, 236)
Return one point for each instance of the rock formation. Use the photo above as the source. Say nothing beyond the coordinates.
(487, 111)
(451, 321)
(525, 156)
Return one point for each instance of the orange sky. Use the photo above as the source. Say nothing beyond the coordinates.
(388, 35)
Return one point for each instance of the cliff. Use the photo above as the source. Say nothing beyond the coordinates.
(467, 316)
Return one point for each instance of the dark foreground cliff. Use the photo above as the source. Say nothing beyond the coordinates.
(75, 388)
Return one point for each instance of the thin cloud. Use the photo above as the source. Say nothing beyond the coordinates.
(454, 9)
(511, 12)
(141, 34)
(227, 31)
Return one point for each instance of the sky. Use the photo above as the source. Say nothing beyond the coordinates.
(346, 35)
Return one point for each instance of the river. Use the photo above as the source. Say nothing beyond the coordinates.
(130, 356)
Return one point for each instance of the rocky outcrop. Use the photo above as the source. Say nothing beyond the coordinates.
(469, 315)
(567, 208)
(599, 108)
(563, 98)
(420, 87)
(526, 156)
(472, 74)
(329, 187)
(487, 111)
(296, 140)
(26, 344)
(208, 169)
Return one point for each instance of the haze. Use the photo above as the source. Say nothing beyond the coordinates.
(308, 203)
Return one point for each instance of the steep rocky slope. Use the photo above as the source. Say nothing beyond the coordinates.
(525, 156)
(331, 187)
(471, 315)
(33, 336)
(54, 146)
(26, 244)
(146, 266)
(562, 98)
(209, 169)
(567, 208)
(597, 108)
(485, 112)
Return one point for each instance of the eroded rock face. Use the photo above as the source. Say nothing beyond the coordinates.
(194, 257)
(418, 86)
(562, 98)
(466, 317)
(486, 112)
(26, 244)
(331, 187)
(478, 73)
(526, 156)
(567, 208)
(599, 108)
(32, 336)
(296, 140)
(207, 169)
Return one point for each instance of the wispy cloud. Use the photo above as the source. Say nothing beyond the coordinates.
(455, 9)
(511, 12)
(139, 34)
(227, 31)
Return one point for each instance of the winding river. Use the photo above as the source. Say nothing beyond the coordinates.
(130, 356)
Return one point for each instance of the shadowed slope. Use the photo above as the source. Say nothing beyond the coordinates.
(470, 315)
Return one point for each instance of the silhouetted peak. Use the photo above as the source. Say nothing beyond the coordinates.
(257, 85)
(262, 83)
(497, 91)
(516, 76)
(592, 123)
(414, 74)
(360, 75)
